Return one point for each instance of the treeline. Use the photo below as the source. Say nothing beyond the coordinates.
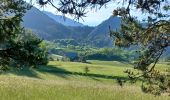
(115, 53)
(82, 54)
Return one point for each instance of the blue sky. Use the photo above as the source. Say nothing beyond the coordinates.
(93, 17)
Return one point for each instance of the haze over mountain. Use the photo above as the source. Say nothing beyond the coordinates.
(47, 28)
(63, 20)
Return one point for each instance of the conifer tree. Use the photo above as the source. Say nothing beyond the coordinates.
(17, 46)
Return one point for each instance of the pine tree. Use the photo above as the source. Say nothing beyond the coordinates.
(17, 46)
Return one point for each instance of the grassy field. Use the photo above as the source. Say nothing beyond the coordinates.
(68, 81)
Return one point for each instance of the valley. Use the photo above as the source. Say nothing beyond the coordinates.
(50, 55)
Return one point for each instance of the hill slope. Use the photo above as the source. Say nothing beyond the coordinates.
(48, 29)
(100, 35)
(63, 20)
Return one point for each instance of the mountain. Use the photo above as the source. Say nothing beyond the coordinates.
(44, 26)
(48, 29)
(81, 33)
(63, 20)
(100, 35)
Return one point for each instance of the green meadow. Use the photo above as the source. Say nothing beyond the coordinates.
(69, 81)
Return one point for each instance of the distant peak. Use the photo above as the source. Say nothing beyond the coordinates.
(63, 20)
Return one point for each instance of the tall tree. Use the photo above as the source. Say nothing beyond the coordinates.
(17, 45)
(152, 34)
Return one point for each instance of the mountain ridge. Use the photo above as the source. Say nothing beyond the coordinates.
(63, 20)
(100, 35)
(48, 29)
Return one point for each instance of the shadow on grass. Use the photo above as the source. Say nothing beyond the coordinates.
(32, 72)
(64, 73)
(25, 71)
(50, 69)
(94, 76)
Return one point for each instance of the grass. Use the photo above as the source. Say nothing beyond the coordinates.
(68, 81)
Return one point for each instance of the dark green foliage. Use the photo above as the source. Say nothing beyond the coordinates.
(17, 46)
(112, 54)
(83, 53)
(10, 17)
(82, 57)
(66, 42)
(24, 50)
(28, 49)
